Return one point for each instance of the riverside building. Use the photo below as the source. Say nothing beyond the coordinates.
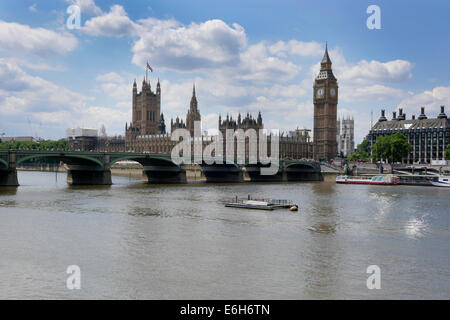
(428, 137)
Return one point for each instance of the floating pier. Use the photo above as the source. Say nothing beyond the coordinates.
(260, 204)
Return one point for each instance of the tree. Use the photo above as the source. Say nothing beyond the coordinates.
(447, 152)
(362, 152)
(61, 144)
(400, 147)
(392, 148)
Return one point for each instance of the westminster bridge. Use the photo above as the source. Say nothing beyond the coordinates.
(94, 168)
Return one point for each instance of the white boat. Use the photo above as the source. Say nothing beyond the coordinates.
(387, 179)
(262, 204)
(443, 181)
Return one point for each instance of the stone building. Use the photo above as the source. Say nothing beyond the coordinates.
(325, 111)
(193, 113)
(146, 114)
(427, 137)
(146, 108)
(345, 136)
(147, 131)
(295, 146)
(247, 123)
(111, 144)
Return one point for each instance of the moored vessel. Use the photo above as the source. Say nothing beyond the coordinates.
(387, 179)
(261, 204)
(442, 181)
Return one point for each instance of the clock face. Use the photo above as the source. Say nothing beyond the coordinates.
(320, 92)
(333, 92)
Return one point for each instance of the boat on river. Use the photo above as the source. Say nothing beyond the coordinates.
(261, 204)
(385, 179)
(442, 181)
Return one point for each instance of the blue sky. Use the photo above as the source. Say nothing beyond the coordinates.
(244, 56)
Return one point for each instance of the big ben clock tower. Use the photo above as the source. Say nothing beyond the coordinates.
(325, 111)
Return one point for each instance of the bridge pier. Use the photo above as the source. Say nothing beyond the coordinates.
(301, 176)
(88, 176)
(164, 175)
(222, 173)
(8, 171)
(8, 178)
(302, 172)
(254, 173)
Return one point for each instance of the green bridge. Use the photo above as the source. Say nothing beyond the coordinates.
(94, 168)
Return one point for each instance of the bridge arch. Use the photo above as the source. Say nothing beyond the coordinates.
(300, 165)
(3, 164)
(68, 159)
(146, 160)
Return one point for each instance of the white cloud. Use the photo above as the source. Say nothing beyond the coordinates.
(212, 46)
(115, 23)
(52, 105)
(110, 77)
(295, 47)
(431, 99)
(206, 45)
(21, 39)
(210, 123)
(35, 64)
(115, 86)
(375, 92)
(366, 72)
(258, 67)
(34, 94)
(32, 8)
(375, 71)
(86, 6)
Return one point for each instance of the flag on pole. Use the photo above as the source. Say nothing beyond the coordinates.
(148, 67)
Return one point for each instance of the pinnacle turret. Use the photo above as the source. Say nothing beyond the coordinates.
(325, 67)
(193, 99)
(326, 58)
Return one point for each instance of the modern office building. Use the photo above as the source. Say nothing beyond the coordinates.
(428, 137)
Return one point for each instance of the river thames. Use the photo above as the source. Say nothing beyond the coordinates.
(137, 241)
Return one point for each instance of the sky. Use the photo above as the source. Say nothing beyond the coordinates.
(243, 56)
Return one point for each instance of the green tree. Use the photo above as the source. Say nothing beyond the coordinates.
(392, 148)
(362, 152)
(447, 152)
(61, 144)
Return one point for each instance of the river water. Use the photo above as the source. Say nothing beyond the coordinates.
(136, 241)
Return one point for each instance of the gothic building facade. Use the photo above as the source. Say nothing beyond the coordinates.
(146, 114)
(193, 113)
(147, 130)
(345, 136)
(296, 146)
(325, 111)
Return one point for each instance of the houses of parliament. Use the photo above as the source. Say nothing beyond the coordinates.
(147, 131)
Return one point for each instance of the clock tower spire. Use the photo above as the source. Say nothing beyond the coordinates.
(325, 111)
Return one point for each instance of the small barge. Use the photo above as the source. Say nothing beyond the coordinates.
(387, 179)
(261, 204)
